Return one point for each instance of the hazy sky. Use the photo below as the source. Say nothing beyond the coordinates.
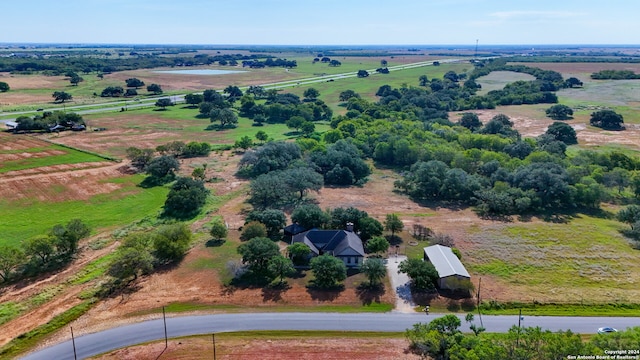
(317, 22)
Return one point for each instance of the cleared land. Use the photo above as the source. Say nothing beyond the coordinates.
(299, 345)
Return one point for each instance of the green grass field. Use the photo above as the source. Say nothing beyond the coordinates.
(31, 217)
(70, 156)
(586, 258)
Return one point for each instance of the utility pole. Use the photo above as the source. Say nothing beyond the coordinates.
(164, 318)
(213, 338)
(73, 341)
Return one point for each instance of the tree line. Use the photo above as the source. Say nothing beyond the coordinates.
(55, 66)
(442, 339)
(42, 253)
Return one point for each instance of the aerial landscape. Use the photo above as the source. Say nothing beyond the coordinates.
(288, 180)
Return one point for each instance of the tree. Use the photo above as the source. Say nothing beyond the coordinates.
(75, 79)
(299, 253)
(130, 92)
(218, 230)
(572, 82)
(243, 143)
(139, 157)
(154, 88)
(171, 242)
(422, 273)
(162, 167)
(607, 120)
(303, 179)
(629, 215)
(377, 244)
(274, 220)
(262, 136)
(348, 94)
(67, 237)
(185, 199)
(257, 253)
(363, 73)
(295, 122)
(562, 132)
(61, 96)
(225, 116)
(311, 94)
(423, 80)
(470, 121)
(130, 262)
(134, 83)
(281, 267)
(193, 99)
(369, 227)
(310, 216)
(41, 246)
(328, 271)
(374, 270)
(308, 128)
(559, 112)
(393, 224)
(163, 103)
(4, 87)
(333, 63)
(253, 229)
(234, 93)
(10, 258)
(267, 190)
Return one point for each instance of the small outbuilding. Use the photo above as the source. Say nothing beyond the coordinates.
(451, 273)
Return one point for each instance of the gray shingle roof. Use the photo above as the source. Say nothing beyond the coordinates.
(445, 261)
(336, 242)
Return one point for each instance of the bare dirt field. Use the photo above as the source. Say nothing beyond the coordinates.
(308, 348)
(530, 121)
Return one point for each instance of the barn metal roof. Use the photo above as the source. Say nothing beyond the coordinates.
(445, 261)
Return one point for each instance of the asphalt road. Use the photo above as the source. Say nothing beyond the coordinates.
(97, 343)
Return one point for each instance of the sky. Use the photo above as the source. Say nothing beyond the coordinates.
(321, 22)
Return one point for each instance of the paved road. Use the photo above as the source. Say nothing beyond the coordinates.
(400, 284)
(97, 343)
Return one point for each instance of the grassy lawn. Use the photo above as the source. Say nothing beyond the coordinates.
(32, 217)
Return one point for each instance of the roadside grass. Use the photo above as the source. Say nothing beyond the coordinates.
(92, 271)
(561, 309)
(31, 217)
(70, 156)
(30, 339)
(585, 258)
(194, 307)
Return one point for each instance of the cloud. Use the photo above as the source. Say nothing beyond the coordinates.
(519, 14)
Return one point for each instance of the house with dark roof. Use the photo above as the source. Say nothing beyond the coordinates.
(451, 273)
(343, 244)
(293, 230)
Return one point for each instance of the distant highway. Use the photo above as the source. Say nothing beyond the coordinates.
(111, 106)
(124, 336)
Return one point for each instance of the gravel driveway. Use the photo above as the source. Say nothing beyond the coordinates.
(400, 284)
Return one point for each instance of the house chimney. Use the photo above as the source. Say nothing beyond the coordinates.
(350, 226)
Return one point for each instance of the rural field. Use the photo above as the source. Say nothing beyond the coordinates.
(579, 259)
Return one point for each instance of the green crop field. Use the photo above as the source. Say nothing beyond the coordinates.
(31, 217)
(69, 156)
